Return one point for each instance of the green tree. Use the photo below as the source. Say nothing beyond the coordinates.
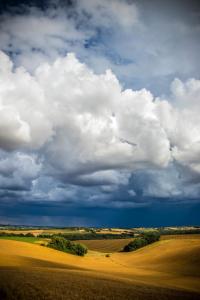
(151, 236)
(145, 239)
(135, 244)
(61, 244)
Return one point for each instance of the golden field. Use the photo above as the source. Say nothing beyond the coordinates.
(169, 269)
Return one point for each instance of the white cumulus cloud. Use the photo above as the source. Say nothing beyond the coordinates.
(85, 129)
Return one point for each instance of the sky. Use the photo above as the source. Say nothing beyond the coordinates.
(99, 112)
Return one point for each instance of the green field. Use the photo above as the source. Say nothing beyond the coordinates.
(22, 239)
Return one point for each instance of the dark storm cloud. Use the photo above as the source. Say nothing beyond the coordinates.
(61, 215)
(19, 6)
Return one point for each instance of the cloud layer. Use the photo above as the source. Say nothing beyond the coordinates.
(66, 131)
(99, 107)
(137, 43)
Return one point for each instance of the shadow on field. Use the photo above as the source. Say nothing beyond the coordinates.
(54, 284)
(40, 263)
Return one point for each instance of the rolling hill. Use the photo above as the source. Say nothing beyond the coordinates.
(168, 269)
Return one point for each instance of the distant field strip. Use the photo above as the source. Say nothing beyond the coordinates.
(43, 231)
(180, 236)
(21, 239)
(33, 240)
(108, 245)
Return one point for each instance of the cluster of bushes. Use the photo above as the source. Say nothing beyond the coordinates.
(88, 236)
(145, 239)
(60, 243)
(10, 234)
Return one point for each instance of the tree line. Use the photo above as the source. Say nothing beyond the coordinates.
(88, 236)
(10, 234)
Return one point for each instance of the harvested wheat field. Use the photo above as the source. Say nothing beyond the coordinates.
(106, 246)
(180, 236)
(169, 269)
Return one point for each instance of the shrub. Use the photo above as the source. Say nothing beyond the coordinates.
(151, 236)
(135, 244)
(145, 239)
(29, 234)
(60, 243)
(79, 249)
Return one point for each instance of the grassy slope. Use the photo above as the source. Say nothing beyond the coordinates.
(21, 239)
(166, 270)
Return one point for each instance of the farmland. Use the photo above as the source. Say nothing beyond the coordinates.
(33, 240)
(37, 232)
(180, 236)
(109, 245)
(116, 245)
(21, 239)
(168, 269)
